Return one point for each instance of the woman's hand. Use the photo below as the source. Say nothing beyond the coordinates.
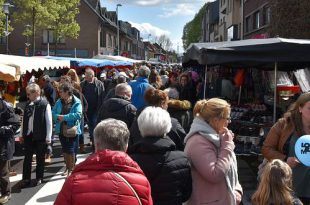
(60, 118)
(292, 162)
(238, 197)
(227, 135)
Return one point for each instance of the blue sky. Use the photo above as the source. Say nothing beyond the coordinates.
(157, 17)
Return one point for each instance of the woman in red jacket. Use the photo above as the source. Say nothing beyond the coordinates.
(109, 176)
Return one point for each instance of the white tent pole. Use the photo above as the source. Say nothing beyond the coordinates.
(205, 84)
(275, 93)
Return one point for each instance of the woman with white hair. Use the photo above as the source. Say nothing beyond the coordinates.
(167, 169)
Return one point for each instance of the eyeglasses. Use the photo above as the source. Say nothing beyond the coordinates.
(227, 118)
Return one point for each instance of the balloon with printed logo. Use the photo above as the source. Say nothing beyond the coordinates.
(302, 150)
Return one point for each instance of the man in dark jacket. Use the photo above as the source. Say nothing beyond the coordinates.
(49, 90)
(94, 92)
(36, 133)
(119, 107)
(9, 123)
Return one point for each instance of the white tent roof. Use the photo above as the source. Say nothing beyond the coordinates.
(117, 58)
(32, 63)
(9, 73)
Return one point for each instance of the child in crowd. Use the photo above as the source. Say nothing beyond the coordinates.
(275, 187)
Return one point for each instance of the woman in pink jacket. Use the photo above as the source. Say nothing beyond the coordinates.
(210, 148)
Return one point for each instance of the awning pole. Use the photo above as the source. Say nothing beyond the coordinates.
(275, 93)
(205, 84)
(239, 96)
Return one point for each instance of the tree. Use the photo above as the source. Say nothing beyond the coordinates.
(164, 41)
(35, 13)
(192, 30)
(64, 23)
(2, 23)
(290, 19)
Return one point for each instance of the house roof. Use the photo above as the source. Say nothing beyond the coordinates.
(94, 5)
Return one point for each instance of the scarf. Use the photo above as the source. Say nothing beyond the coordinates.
(205, 130)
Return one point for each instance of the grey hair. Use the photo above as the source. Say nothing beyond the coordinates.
(111, 134)
(122, 88)
(173, 93)
(154, 121)
(90, 71)
(144, 71)
(46, 78)
(33, 88)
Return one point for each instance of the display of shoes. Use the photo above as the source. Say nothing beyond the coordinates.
(5, 198)
(12, 173)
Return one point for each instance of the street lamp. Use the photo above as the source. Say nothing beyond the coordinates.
(28, 26)
(6, 11)
(118, 5)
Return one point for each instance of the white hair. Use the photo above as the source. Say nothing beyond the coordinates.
(154, 121)
(111, 134)
(122, 89)
(172, 93)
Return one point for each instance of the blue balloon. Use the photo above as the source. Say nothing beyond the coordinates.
(302, 150)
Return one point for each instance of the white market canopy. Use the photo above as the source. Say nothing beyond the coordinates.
(29, 64)
(117, 58)
(9, 73)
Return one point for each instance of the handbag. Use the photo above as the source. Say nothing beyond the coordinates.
(69, 132)
(128, 184)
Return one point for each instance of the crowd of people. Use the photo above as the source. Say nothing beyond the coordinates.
(154, 141)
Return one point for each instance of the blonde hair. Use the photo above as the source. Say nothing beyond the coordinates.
(73, 75)
(212, 108)
(275, 186)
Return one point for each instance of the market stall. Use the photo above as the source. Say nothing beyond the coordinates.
(250, 124)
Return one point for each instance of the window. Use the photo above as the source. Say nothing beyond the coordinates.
(256, 24)
(110, 44)
(49, 37)
(103, 39)
(266, 15)
(247, 24)
(2, 40)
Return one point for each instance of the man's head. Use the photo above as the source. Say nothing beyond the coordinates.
(144, 71)
(89, 75)
(46, 79)
(111, 134)
(123, 90)
(33, 91)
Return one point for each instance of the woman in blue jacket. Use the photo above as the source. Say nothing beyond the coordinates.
(67, 114)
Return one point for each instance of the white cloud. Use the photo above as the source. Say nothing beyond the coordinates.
(180, 9)
(147, 28)
(157, 2)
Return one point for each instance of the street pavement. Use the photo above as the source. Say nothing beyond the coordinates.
(46, 193)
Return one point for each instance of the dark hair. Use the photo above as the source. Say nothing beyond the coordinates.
(155, 97)
(66, 87)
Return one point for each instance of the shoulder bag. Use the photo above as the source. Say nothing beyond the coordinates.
(128, 184)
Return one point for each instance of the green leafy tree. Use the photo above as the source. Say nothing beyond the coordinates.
(2, 17)
(193, 29)
(35, 13)
(290, 18)
(64, 22)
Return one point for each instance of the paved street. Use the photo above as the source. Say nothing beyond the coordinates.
(45, 193)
